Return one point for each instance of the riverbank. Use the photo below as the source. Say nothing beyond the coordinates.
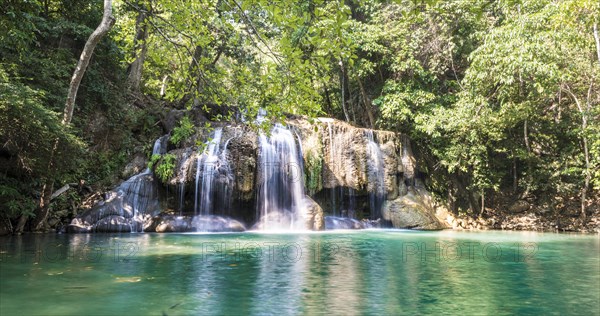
(535, 219)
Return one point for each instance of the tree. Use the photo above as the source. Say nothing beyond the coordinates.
(47, 188)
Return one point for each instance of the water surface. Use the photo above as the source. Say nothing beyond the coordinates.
(342, 272)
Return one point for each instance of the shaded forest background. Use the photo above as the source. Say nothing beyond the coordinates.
(501, 98)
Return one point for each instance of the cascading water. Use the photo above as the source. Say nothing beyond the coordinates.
(280, 200)
(181, 186)
(134, 189)
(124, 207)
(223, 185)
(376, 174)
(351, 210)
(333, 164)
(205, 171)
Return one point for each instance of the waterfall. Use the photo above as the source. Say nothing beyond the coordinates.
(333, 164)
(376, 174)
(135, 189)
(206, 166)
(182, 177)
(280, 200)
(351, 210)
(124, 207)
(224, 182)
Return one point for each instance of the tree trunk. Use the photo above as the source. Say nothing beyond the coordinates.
(597, 38)
(105, 25)
(329, 108)
(367, 103)
(482, 203)
(195, 73)
(343, 90)
(584, 122)
(526, 136)
(515, 177)
(134, 76)
(107, 22)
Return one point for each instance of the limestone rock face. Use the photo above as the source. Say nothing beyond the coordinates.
(338, 162)
(413, 210)
(242, 156)
(313, 217)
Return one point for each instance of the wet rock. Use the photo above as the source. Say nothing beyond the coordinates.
(333, 222)
(150, 223)
(77, 226)
(211, 223)
(117, 224)
(370, 223)
(344, 155)
(174, 224)
(313, 215)
(137, 165)
(137, 195)
(413, 210)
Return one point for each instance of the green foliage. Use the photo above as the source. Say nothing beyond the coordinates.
(153, 160)
(16, 198)
(483, 88)
(38, 130)
(182, 131)
(313, 169)
(165, 167)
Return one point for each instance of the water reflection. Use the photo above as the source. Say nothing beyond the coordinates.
(380, 272)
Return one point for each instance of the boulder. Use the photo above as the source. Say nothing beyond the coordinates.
(117, 224)
(413, 210)
(79, 229)
(136, 195)
(211, 223)
(313, 215)
(150, 223)
(174, 224)
(370, 223)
